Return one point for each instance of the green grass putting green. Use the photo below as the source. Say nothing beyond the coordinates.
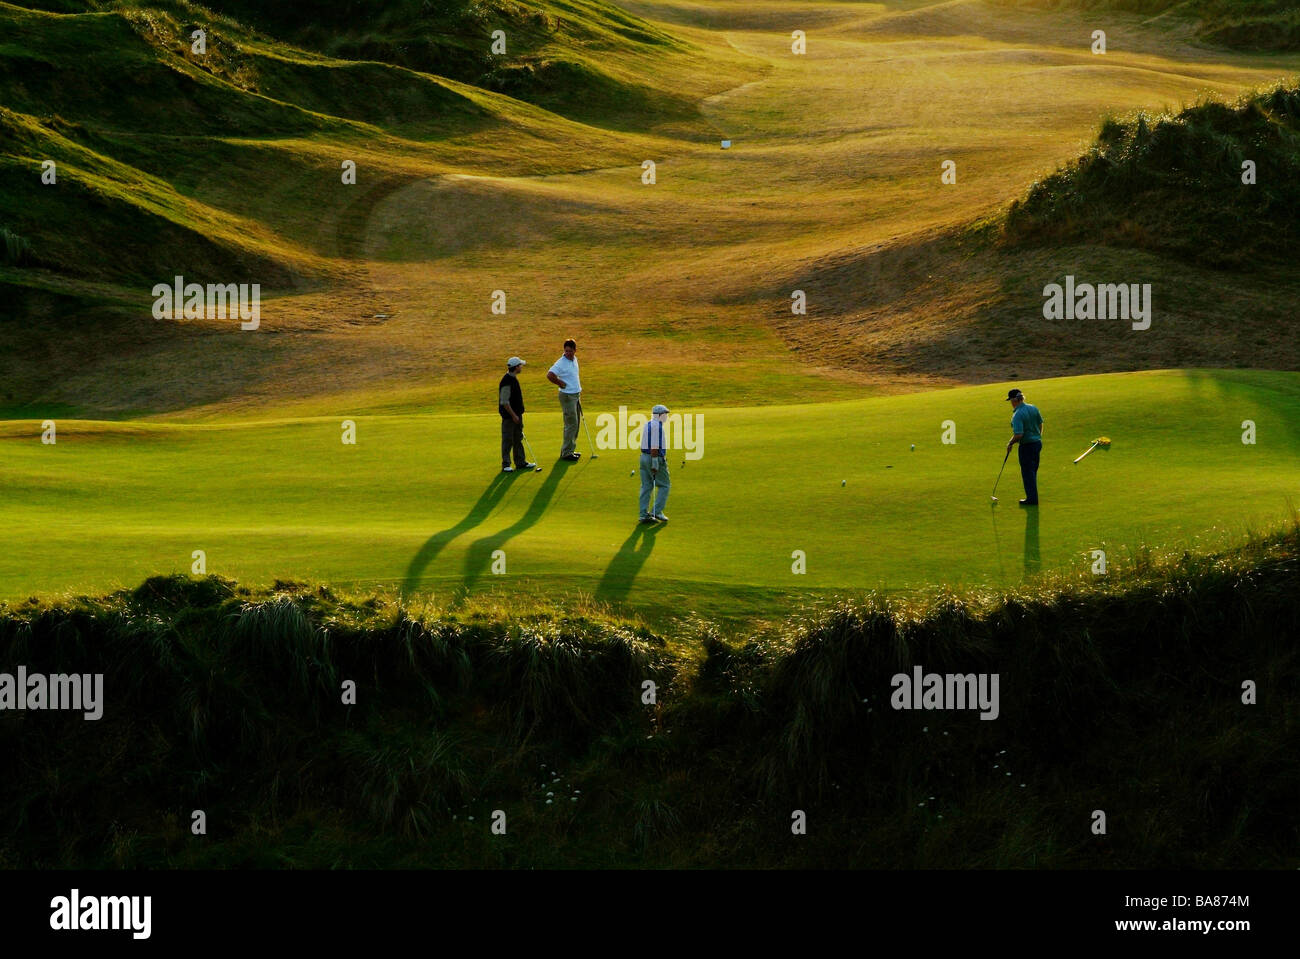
(418, 506)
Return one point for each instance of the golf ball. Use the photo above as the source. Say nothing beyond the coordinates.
(913, 446)
(844, 482)
(633, 473)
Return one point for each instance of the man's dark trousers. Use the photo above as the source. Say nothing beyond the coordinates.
(512, 440)
(1029, 453)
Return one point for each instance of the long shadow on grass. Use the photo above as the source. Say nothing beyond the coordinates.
(478, 558)
(622, 570)
(436, 543)
(997, 543)
(1033, 556)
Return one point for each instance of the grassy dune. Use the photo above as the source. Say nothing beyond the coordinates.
(1125, 697)
(1175, 184)
(230, 168)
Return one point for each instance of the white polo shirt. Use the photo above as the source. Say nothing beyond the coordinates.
(567, 370)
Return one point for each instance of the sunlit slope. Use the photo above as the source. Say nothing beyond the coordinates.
(240, 146)
(583, 59)
(1247, 24)
(831, 186)
(418, 504)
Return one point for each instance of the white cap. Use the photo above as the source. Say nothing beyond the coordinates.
(515, 361)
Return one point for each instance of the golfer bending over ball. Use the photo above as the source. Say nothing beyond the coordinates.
(1027, 425)
(654, 466)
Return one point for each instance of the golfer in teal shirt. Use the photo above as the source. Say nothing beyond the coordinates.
(1027, 425)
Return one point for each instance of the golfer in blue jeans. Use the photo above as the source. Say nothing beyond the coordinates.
(1027, 425)
(654, 467)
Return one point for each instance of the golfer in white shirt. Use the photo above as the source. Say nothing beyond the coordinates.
(564, 374)
(654, 466)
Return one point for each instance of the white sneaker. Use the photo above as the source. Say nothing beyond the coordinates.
(507, 469)
(660, 518)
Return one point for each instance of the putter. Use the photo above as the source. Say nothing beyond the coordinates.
(583, 416)
(999, 479)
(529, 446)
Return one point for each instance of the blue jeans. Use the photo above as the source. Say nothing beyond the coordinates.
(1029, 454)
(650, 480)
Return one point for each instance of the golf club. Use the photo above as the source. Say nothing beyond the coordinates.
(529, 446)
(583, 416)
(999, 479)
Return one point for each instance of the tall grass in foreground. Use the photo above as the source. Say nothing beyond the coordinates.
(1122, 694)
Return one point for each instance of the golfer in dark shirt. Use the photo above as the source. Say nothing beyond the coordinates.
(510, 404)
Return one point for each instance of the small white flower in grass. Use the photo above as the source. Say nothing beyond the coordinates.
(920, 804)
(550, 794)
(1002, 753)
(573, 799)
(940, 815)
(925, 729)
(1022, 785)
(945, 732)
(471, 818)
(549, 801)
(1008, 774)
(995, 765)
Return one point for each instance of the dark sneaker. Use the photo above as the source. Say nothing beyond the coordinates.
(529, 466)
(647, 519)
(572, 457)
(1025, 502)
(660, 518)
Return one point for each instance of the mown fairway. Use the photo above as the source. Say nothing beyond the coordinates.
(417, 504)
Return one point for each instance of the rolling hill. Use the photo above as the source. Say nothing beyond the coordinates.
(226, 167)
